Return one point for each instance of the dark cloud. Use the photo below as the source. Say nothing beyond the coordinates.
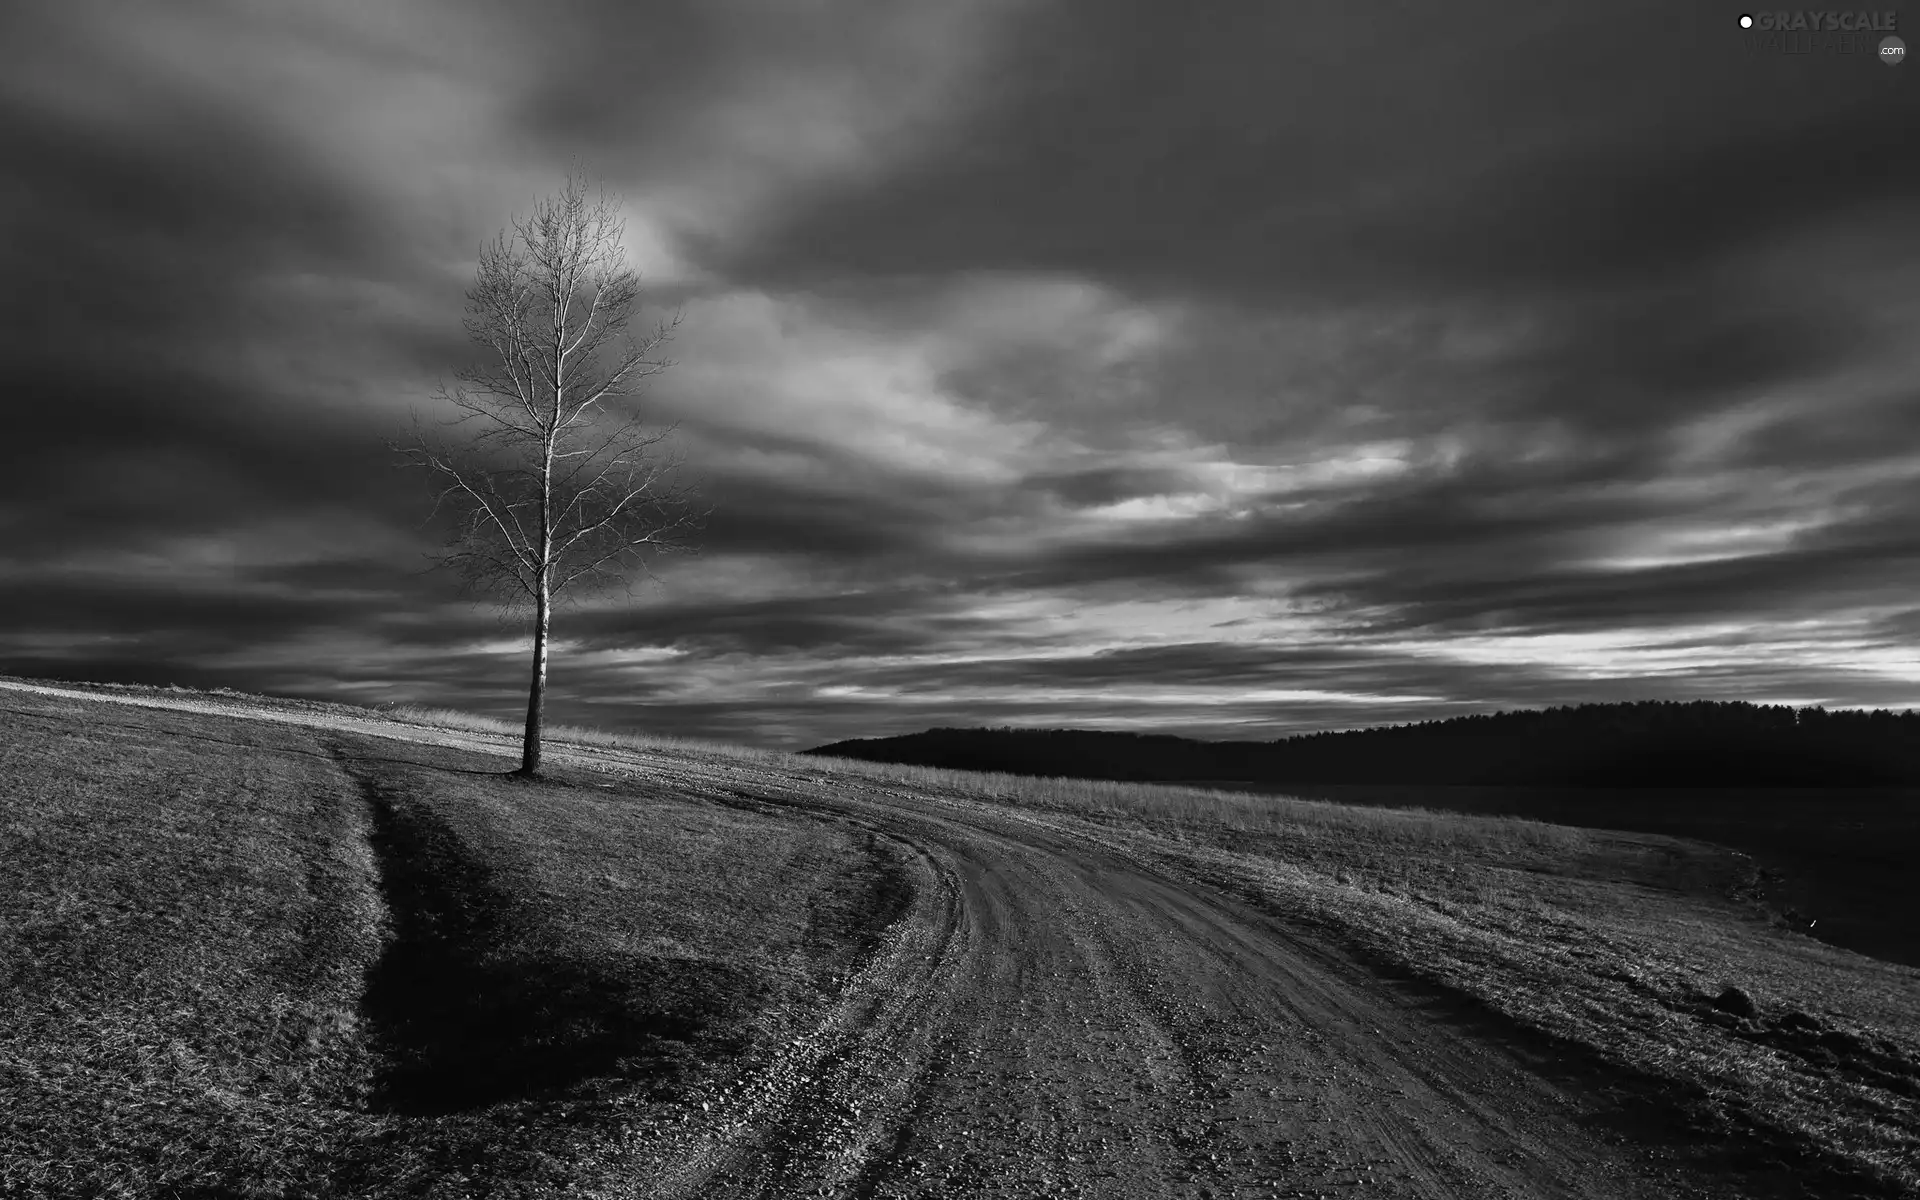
(1477, 509)
(1323, 149)
(1108, 485)
(1840, 435)
(1219, 368)
(1641, 358)
(851, 516)
(853, 623)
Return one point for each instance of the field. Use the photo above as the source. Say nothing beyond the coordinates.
(1836, 864)
(248, 959)
(293, 958)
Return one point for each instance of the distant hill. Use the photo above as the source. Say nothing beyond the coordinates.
(1641, 744)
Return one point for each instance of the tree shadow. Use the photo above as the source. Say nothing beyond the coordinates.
(466, 1016)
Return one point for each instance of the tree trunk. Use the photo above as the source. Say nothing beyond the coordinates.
(537, 693)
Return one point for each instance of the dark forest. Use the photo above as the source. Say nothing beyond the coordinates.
(1641, 744)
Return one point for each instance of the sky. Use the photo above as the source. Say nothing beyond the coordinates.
(1234, 370)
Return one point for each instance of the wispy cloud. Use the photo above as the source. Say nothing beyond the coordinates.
(1240, 370)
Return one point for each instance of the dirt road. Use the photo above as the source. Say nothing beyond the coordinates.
(1061, 1014)
(1058, 1018)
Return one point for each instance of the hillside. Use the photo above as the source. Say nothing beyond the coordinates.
(273, 958)
(1642, 744)
(273, 950)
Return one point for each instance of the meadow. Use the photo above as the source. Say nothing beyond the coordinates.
(1835, 863)
(251, 959)
(261, 960)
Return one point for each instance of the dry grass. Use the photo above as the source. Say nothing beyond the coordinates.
(1824, 1069)
(572, 735)
(186, 909)
(1645, 951)
(1172, 808)
(568, 951)
(247, 960)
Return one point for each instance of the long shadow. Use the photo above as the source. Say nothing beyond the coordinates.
(464, 1020)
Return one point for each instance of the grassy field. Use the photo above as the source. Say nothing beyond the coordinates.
(1836, 863)
(244, 959)
(194, 902)
(184, 921)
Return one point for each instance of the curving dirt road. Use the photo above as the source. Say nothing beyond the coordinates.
(1064, 1011)
(1057, 1017)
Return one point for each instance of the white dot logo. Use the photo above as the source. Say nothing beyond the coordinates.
(1746, 22)
(1893, 51)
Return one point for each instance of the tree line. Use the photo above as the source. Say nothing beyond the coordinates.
(1636, 744)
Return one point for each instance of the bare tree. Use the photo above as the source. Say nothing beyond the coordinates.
(557, 483)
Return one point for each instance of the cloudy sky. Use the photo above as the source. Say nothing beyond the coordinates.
(1230, 369)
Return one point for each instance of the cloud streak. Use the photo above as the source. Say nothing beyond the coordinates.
(1225, 370)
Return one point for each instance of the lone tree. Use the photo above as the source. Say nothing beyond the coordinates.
(556, 482)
